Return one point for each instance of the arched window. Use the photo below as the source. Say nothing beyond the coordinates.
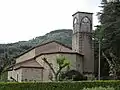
(85, 24)
(85, 20)
(75, 23)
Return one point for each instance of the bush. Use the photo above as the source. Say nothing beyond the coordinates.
(60, 85)
(73, 75)
(99, 88)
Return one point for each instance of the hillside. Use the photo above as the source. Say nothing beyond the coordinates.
(13, 49)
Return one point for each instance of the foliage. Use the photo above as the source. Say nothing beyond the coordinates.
(73, 75)
(62, 63)
(98, 38)
(5, 63)
(60, 85)
(4, 77)
(99, 88)
(109, 35)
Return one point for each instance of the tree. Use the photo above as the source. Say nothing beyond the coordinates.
(110, 26)
(5, 63)
(98, 36)
(62, 63)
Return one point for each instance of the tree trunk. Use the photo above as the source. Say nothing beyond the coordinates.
(56, 77)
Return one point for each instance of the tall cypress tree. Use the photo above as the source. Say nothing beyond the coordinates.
(110, 21)
(109, 18)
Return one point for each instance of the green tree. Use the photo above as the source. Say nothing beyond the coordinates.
(5, 63)
(62, 63)
(110, 28)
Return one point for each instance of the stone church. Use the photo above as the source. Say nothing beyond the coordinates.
(30, 66)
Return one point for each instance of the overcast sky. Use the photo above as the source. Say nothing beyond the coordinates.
(26, 19)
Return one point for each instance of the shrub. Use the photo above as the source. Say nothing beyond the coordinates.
(60, 85)
(99, 88)
(73, 75)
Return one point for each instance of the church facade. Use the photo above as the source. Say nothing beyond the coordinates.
(29, 66)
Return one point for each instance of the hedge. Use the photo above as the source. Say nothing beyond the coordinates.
(59, 85)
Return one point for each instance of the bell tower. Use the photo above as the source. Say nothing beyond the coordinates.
(82, 40)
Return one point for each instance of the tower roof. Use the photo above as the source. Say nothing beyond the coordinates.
(82, 12)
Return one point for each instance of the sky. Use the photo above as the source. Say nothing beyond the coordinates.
(22, 20)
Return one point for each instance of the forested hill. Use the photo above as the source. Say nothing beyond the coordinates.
(13, 49)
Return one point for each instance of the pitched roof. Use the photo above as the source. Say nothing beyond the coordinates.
(22, 66)
(55, 42)
(58, 53)
(42, 45)
(31, 59)
(29, 67)
(47, 54)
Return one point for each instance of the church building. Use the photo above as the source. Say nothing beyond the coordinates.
(29, 65)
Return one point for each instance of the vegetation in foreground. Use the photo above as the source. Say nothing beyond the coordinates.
(87, 85)
(99, 88)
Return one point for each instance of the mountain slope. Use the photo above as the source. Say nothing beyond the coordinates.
(13, 49)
